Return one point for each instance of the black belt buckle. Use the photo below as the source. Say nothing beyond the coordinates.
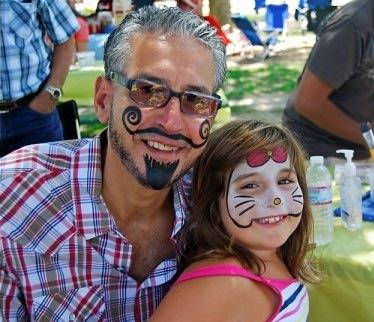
(6, 107)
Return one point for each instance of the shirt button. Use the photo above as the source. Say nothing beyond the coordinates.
(72, 317)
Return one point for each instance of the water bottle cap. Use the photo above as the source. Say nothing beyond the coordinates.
(316, 159)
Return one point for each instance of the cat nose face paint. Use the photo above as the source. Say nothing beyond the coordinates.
(277, 201)
(262, 187)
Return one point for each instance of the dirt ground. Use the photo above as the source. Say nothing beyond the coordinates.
(293, 50)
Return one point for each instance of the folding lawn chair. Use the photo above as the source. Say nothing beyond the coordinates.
(68, 112)
(276, 18)
(259, 4)
(317, 11)
(247, 28)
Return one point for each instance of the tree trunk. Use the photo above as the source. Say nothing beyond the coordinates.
(221, 10)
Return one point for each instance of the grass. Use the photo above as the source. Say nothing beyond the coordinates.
(89, 125)
(273, 78)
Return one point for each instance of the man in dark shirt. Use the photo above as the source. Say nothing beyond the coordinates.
(336, 90)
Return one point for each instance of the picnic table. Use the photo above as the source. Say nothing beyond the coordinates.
(346, 293)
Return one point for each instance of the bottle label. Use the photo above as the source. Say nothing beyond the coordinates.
(320, 195)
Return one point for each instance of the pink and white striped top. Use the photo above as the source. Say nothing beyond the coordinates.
(293, 304)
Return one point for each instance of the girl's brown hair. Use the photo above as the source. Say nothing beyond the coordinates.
(204, 235)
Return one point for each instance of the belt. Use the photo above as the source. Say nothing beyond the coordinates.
(6, 106)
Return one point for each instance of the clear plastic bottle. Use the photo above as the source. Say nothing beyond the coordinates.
(350, 194)
(319, 183)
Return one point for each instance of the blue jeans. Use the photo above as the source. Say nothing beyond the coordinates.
(24, 126)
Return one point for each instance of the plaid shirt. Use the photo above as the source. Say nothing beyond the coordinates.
(25, 56)
(62, 257)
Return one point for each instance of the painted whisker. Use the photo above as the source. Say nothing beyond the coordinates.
(242, 203)
(298, 201)
(244, 197)
(245, 210)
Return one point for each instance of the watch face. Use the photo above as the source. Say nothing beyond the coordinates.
(56, 93)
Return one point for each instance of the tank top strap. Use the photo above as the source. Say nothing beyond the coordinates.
(218, 270)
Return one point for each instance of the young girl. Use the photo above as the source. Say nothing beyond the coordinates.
(244, 249)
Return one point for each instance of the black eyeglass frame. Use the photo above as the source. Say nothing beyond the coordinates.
(128, 82)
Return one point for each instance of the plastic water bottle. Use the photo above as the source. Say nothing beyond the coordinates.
(319, 182)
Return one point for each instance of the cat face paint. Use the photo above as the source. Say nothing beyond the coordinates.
(267, 190)
(265, 198)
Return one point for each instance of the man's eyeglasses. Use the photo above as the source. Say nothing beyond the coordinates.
(150, 94)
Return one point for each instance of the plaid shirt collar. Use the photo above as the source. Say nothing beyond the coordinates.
(92, 217)
(91, 214)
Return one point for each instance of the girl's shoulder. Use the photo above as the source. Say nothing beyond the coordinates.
(228, 267)
(217, 296)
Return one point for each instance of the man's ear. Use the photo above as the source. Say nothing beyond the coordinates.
(103, 99)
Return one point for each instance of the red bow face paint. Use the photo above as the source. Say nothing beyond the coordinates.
(259, 157)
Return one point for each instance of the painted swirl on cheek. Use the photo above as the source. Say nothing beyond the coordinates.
(131, 116)
(204, 132)
(159, 174)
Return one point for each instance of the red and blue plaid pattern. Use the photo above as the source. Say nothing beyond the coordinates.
(61, 255)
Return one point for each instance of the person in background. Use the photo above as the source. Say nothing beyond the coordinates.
(106, 22)
(244, 247)
(191, 5)
(88, 227)
(336, 90)
(195, 6)
(81, 36)
(33, 73)
(136, 4)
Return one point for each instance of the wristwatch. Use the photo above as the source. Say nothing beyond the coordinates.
(55, 92)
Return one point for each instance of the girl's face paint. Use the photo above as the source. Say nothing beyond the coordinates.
(262, 204)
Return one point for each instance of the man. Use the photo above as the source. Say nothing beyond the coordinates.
(336, 91)
(32, 73)
(88, 227)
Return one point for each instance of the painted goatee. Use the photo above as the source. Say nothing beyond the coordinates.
(159, 174)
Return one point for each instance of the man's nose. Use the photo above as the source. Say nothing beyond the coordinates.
(172, 116)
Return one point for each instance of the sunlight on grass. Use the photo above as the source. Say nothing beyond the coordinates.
(275, 78)
(89, 126)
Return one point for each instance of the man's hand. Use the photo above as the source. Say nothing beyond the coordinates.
(43, 103)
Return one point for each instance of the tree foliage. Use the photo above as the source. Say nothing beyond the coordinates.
(221, 10)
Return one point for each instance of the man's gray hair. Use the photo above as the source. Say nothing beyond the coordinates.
(167, 21)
